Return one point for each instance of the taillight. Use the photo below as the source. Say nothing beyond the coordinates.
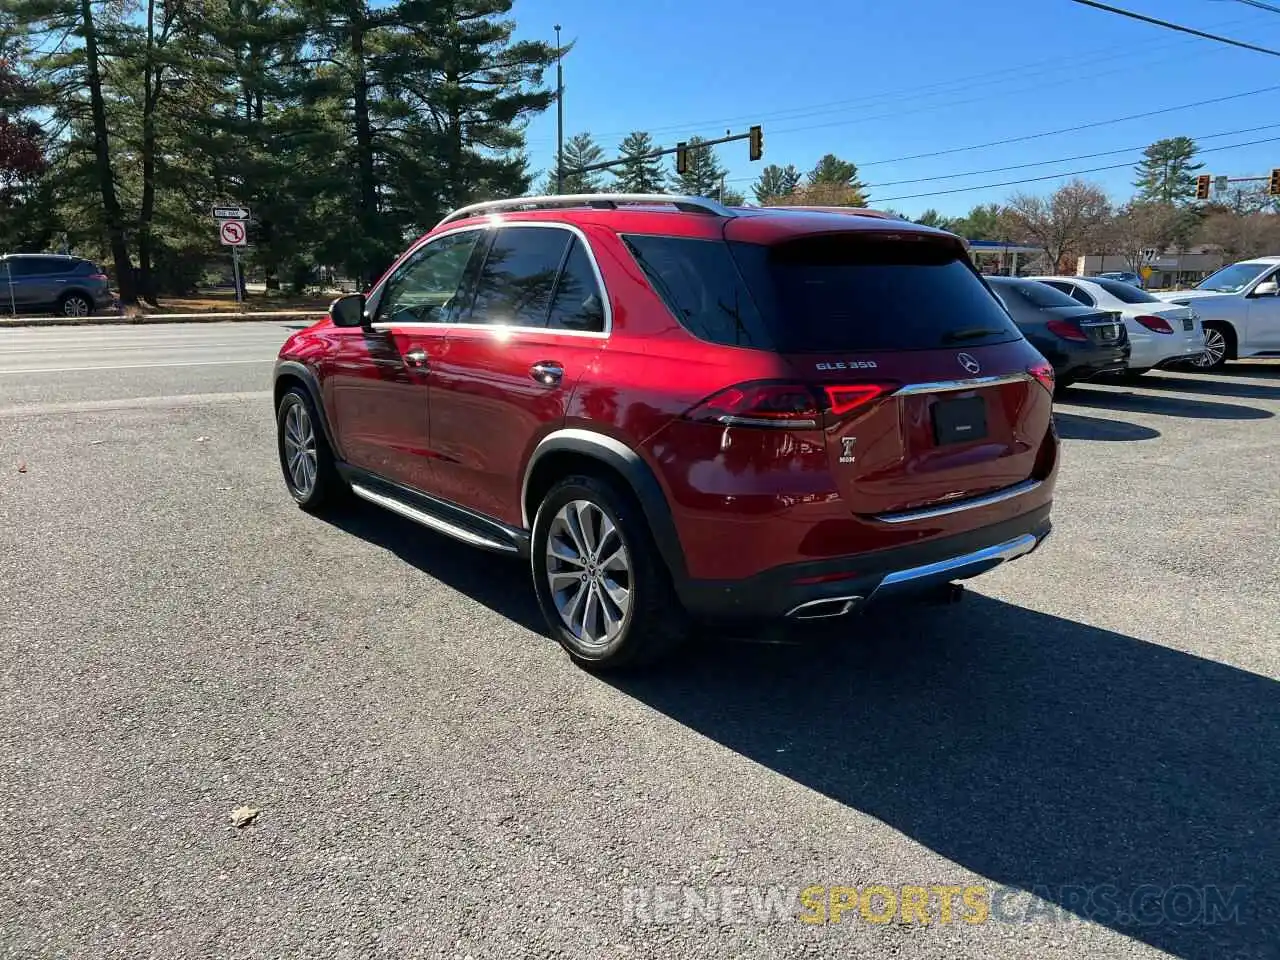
(1155, 324)
(97, 276)
(1043, 372)
(1067, 330)
(787, 406)
(784, 405)
(843, 399)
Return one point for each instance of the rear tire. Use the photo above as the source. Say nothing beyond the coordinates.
(603, 587)
(310, 472)
(75, 305)
(1219, 347)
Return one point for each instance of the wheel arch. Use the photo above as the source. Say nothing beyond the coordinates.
(291, 373)
(575, 450)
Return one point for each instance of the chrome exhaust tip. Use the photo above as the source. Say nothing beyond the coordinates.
(823, 609)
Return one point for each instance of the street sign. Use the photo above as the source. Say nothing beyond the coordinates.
(1146, 271)
(230, 212)
(232, 233)
(1221, 184)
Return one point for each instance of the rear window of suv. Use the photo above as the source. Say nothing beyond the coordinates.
(827, 294)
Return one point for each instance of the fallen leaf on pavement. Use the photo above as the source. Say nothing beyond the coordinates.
(243, 816)
(22, 468)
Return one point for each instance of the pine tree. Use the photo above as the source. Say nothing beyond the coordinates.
(702, 174)
(1167, 171)
(580, 150)
(638, 173)
(835, 182)
(775, 182)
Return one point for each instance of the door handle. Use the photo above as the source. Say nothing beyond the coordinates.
(547, 372)
(417, 357)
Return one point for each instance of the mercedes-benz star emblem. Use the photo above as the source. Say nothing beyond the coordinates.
(968, 362)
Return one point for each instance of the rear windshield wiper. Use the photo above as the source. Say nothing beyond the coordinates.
(970, 333)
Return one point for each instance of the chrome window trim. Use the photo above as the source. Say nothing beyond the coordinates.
(951, 386)
(959, 506)
(497, 222)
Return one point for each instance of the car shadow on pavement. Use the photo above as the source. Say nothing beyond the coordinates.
(1073, 426)
(1044, 754)
(1213, 387)
(1161, 405)
(499, 582)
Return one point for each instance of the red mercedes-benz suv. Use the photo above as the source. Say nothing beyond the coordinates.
(677, 410)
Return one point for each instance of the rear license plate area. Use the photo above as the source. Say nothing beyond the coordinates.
(959, 421)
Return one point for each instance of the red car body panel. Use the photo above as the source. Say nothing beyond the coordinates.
(743, 501)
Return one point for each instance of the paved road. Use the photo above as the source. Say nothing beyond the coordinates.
(435, 780)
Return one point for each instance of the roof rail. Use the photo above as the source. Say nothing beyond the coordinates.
(848, 211)
(603, 201)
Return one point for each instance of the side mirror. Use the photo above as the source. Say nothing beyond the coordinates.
(348, 311)
(1268, 288)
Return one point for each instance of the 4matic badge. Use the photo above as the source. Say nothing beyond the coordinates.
(846, 449)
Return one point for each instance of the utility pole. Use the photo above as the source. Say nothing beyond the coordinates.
(559, 115)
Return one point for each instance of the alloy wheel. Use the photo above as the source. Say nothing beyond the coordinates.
(300, 449)
(589, 572)
(75, 307)
(1215, 349)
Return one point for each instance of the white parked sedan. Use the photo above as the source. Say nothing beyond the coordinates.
(1161, 333)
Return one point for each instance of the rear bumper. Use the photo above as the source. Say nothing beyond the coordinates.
(835, 586)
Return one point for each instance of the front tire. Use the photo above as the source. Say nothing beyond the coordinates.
(602, 585)
(1219, 346)
(310, 473)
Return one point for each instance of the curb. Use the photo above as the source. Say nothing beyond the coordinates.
(143, 319)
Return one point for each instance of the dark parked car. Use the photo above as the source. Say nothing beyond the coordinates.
(44, 282)
(1080, 342)
(669, 407)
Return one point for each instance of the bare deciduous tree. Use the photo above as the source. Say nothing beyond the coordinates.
(1239, 236)
(1061, 224)
(1142, 225)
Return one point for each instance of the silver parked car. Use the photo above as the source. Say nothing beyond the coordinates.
(46, 282)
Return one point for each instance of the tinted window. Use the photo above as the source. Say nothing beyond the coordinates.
(37, 266)
(854, 292)
(422, 288)
(577, 304)
(1082, 295)
(1057, 285)
(1232, 279)
(518, 278)
(1032, 292)
(700, 284)
(1125, 292)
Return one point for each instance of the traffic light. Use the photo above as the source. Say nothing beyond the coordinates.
(1274, 187)
(1202, 186)
(682, 157)
(757, 143)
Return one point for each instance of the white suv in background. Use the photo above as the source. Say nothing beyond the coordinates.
(1240, 308)
(1160, 333)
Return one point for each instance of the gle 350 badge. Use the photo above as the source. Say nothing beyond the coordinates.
(847, 365)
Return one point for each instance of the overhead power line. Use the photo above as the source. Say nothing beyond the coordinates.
(1260, 5)
(1082, 126)
(1080, 156)
(1056, 176)
(1168, 25)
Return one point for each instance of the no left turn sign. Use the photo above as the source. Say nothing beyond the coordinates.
(232, 233)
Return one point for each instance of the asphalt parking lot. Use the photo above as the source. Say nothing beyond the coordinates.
(433, 778)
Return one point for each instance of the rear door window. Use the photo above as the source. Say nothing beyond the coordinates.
(578, 302)
(518, 279)
(845, 292)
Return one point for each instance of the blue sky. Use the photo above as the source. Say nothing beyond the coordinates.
(872, 81)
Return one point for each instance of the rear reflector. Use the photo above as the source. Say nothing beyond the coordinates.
(1067, 330)
(845, 398)
(1043, 372)
(97, 276)
(1156, 324)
